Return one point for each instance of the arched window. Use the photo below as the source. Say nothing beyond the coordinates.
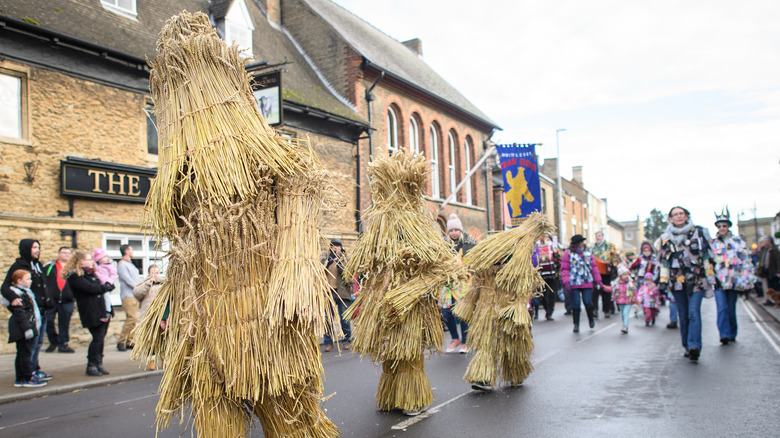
(435, 190)
(414, 136)
(467, 153)
(392, 131)
(451, 167)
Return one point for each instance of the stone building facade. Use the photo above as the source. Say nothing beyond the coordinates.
(80, 98)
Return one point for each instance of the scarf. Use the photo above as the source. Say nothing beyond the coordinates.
(678, 235)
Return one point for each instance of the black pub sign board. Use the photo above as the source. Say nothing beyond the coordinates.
(100, 179)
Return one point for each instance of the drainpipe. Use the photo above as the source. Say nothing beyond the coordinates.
(370, 98)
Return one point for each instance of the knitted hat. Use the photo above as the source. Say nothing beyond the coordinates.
(336, 242)
(649, 276)
(622, 269)
(575, 239)
(99, 254)
(454, 223)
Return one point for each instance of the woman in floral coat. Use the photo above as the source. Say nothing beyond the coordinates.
(733, 273)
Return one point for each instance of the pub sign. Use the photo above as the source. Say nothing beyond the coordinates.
(99, 179)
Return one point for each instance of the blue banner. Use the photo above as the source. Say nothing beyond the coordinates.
(521, 179)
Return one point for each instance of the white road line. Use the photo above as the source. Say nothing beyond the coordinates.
(136, 399)
(25, 422)
(760, 325)
(414, 420)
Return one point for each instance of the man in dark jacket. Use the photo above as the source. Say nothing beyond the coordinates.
(29, 251)
(60, 294)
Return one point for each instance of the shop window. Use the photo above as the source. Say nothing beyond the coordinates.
(435, 189)
(145, 253)
(13, 97)
(125, 8)
(392, 131)
(151, 130)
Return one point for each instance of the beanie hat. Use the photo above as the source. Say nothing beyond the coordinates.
(336, 242)
(622, 269)
(649, 276)
(575, 239)
(454, 223)
(99, 254)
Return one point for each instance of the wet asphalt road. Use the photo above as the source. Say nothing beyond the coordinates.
(595, 383)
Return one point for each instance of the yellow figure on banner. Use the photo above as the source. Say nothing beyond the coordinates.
(519, 190)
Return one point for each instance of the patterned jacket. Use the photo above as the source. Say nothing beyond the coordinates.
(689, 263)
(623, 292)
(733, 268)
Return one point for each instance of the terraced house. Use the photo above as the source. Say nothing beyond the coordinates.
(78, 145)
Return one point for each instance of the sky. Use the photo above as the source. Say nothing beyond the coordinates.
(664, 103)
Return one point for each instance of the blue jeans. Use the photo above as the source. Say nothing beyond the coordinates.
(342, 306)
(625, 312)
(38, 342)
(689, 313)
(452, 325)
(726, 301)
(672, 311)
(65, 311)
(575, 298)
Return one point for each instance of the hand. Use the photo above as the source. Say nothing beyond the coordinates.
(29, 334)
(163, 324)
(16, 302)
(109, 286)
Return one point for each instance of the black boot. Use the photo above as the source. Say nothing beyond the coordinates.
(92, 370)
(575, 316)
(591, 320)
(100, 368)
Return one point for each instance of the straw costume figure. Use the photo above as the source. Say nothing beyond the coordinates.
(245, 296)
(495, 307)
(404, 262)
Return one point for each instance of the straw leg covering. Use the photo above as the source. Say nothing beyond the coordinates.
(404, 385)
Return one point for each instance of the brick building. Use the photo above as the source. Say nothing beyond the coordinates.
(78, 147)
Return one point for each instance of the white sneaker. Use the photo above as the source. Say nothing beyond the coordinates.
(414, 412)
(453, 346)
(480, 386)
(464, 349)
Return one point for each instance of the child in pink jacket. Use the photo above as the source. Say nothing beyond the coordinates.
(623, 291)
(650, 299)
(105, 271)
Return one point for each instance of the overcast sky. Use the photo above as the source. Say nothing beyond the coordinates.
(664, 102)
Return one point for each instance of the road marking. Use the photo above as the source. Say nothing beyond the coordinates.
(414, 420)
(136, 399)
(25, 422)
(760, 325)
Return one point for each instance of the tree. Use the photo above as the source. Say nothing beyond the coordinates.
(655, 225)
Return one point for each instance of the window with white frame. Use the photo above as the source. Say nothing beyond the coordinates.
(121, 7)
(145, 254)
(451, 167)
(392, 131)
(467, 152)
(11, 105)
(414, 135)
(435, 190)
(629, 235)
(239, 27)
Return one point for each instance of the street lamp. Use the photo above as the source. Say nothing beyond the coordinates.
(561, 232)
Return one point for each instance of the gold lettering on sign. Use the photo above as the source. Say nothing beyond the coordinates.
(118, 181)
(132, 182)
(97, 174)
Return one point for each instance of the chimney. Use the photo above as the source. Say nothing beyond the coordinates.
(274, 9)
(576, 172)
(415, 45)
(550, 168)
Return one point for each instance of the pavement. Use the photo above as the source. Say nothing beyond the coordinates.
(69, 369)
